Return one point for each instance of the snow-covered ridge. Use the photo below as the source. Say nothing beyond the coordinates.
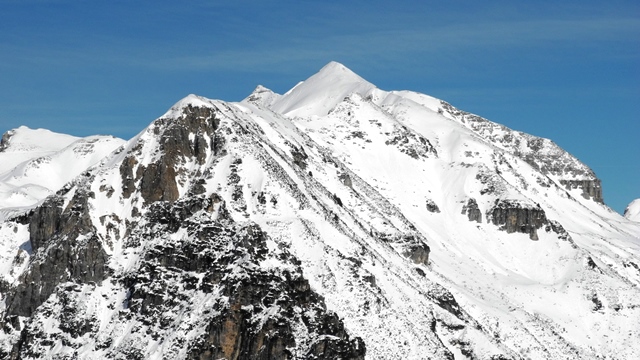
(36, 163)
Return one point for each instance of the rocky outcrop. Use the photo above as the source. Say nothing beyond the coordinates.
(45, 221)
(472, 210)
(126, 174)
(65, 261)
(418, 252)
(514, 216)
(345, 179)
(158, 182)
(432, 206)
(411, 143)
(65, 248)
(591, 189)
(4, 141)
(190, 136)
(299, 156)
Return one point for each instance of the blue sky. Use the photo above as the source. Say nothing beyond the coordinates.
(568, 71)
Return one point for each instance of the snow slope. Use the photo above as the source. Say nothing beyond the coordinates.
(632, 212)
(36, 163)
(429, 232)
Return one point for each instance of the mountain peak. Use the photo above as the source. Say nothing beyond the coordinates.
(322, 91)
(189, 100)
(262, 96)
(335, 69)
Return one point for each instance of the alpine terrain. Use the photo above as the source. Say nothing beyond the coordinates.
(335, 221)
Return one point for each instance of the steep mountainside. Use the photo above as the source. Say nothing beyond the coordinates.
(336, 221)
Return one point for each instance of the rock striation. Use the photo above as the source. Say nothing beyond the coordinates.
(514, 216)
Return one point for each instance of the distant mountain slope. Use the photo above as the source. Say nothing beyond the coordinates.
(632, 212)
(36, 163)
(336, 220)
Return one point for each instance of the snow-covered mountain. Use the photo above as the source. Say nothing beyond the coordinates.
(632, 212)
(36, 163)
(334, 221)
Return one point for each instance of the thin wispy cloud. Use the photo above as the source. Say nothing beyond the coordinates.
(458, 38)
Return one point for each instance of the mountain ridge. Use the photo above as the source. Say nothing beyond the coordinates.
(419, 231)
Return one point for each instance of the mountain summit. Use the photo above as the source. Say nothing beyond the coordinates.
(335, 221)
(322, 91)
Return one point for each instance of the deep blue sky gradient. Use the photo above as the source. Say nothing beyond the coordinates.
(568, 71)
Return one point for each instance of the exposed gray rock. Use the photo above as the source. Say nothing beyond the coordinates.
(188, 137)
(126, 174)
(4, 141)
(443, 298)
(299, 156)
(411, 143)
(65, 261)
(158, 182)
(591, 189)
(235, 333)
(345, 179)
(557, 228)
(432, 206)
(472, 211)
(65, 248)
(513, 216)
(418, 252)
(45, 221)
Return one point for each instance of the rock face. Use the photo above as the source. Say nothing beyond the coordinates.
(418, 253)
(591, 189)
(258, 310)
(472, 210)
(346, 180)
(4, 141)
(66, 249)
(432, 206)
(513, 216)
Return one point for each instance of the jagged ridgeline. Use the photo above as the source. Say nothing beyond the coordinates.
(337, 221)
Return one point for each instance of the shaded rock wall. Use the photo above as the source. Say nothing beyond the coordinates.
(191, 136)
(244, 325)
(514, 217)
(591, 189)
(472, 210)
(65, 248)
(258, 313)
